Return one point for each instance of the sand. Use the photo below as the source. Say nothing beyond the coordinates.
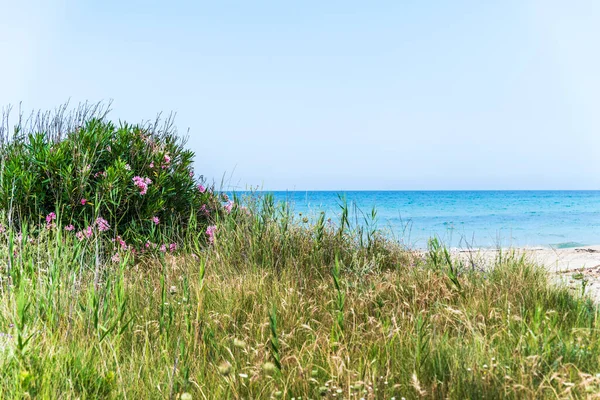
(572, 266)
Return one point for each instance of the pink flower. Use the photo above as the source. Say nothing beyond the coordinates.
(151, 165)
(163, 248)
(172, 247)
(147, 244)
(156, 220)
(69, 228)
(142, 184)
(229, 206)
(167, 159)
(102, 224)
(50, 217)
(83, 201)
(204, 210)
(201, 189)
(116, 258)
(191, 173)
(121, 242)
(79, 235)
(210, 231)
(89, 231)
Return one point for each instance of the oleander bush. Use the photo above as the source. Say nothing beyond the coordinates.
(134, 181)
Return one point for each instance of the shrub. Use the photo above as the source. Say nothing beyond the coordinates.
(136, 181)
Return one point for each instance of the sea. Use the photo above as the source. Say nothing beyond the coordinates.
(464, 219)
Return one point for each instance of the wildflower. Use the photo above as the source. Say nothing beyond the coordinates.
(163, 248)
(116, 258)
(83, 201)
(127, 167)
(201, 189)
(89, 231)
(102, 224)
(151, 165)
(191, 174)
(79, 235)
(142, 184)
(156, 220)
(69, 227)
(50, 217)
(210, 231)
(172, 247)
(229, 206)
(147, 245)
(167, 159)
(49, 221)
(204, 210)
(121, 242)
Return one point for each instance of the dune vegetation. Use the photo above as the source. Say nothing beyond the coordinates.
(125, 275)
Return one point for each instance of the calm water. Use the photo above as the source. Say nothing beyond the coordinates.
(474, 218)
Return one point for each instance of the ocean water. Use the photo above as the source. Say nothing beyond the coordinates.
(557, 219)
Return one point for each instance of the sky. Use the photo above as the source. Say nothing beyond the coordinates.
(332, 95)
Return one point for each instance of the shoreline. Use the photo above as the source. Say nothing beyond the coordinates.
(576, 267)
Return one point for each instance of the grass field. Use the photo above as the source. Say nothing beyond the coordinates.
(278, 307)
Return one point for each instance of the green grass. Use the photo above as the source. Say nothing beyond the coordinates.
(279, 307)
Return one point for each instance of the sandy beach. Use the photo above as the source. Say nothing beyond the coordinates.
(570, 266)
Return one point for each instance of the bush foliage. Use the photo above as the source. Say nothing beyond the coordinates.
(138, 178)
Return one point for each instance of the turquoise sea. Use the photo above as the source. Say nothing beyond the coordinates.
(469, 218)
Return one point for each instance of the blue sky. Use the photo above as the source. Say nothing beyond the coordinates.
(332, 95)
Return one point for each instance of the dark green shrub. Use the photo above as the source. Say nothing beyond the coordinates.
(138, 178)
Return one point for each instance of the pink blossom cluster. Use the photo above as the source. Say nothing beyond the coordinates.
(102, 224)
(156, 220)
(210, 231)
(86, 233)
(142, 184)
(50, 220)
(229, 206)
(121, 242)
(201, 189)
(204, 210)
(100, 173)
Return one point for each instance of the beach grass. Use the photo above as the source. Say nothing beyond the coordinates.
(281, 308)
